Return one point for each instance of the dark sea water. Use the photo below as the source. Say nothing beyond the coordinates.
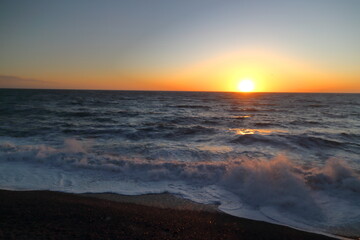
(291, 159)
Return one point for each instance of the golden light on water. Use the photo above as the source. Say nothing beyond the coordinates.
(249, 131)
(246, 85)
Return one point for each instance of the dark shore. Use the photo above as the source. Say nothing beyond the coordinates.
(54, 215)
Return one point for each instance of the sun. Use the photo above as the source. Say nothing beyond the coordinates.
(246, 85)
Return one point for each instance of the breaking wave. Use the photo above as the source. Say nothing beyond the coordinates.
(278, 190)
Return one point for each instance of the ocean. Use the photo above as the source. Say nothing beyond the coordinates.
(285, 158)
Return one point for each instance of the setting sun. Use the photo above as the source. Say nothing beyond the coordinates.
(246, 86)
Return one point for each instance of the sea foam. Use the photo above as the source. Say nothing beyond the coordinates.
(280, 190)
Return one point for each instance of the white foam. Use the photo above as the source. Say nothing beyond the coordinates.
(323, 198)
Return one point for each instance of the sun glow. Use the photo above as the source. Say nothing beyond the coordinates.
(246, 85)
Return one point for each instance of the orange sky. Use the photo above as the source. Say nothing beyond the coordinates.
(269, 70)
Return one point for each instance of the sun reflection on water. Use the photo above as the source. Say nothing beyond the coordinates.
(247, 131)
(242, 117)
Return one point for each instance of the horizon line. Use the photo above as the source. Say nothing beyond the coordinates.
(134, 90)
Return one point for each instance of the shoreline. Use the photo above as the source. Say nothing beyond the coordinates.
(158, 200)
(58, 215)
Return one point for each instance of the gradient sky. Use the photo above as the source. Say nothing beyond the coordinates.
(197, 45)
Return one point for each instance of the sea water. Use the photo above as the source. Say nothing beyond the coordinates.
(285, 158)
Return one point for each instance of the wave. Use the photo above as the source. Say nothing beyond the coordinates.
(169, 132)
(266, 124)
(289, 141)
(25, 110)
(316, 105)
(192, 106)
(305, 123)
(280, 190)
(250, 139)
(80, 154)
(77, 114)
(93, 131)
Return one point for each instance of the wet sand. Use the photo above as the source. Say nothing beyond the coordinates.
(54, 215)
